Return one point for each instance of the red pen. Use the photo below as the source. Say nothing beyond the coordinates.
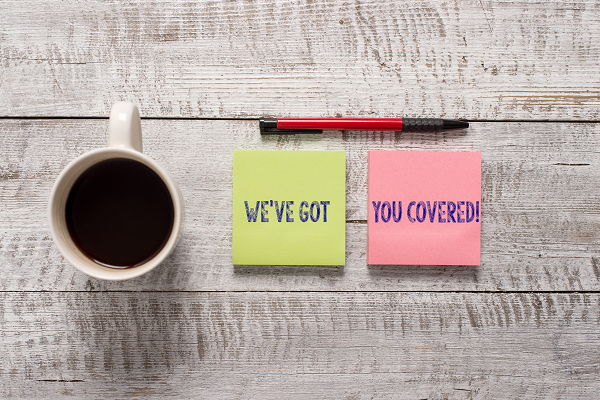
(317, 125)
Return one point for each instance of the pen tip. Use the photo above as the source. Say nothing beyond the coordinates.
(454, 124)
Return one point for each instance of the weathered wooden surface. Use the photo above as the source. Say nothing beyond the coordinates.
(523, 324)
(300, 345)
(469, 59)
(540, 228)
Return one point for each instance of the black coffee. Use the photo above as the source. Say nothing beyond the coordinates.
(120, 213)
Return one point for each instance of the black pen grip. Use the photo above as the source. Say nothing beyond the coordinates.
(422, 124)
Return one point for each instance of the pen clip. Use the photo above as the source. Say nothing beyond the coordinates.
(275, 131)
(268, 126)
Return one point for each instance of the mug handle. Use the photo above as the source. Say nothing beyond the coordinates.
(125, 128)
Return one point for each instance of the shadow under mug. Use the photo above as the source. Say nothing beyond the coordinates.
(125, 141)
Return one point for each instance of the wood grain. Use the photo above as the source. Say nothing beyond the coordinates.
(470, 59)
(540, 229)
(524, 324)
(300, 345)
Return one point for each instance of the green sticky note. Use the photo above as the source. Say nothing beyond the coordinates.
(289, 207)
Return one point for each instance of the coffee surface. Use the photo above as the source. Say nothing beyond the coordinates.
(120, 213)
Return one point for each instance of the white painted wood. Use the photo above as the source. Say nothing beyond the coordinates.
(540, 228)
(300, 345)
(198, 327)
(471, 59)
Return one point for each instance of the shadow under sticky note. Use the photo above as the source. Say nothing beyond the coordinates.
(424, 208)
(289, 207)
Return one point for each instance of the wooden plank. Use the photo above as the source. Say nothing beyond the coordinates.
(540, 230)
(300, 345)
(471, 59)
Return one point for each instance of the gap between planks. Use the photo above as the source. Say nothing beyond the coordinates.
(105, 117)
(316, 291)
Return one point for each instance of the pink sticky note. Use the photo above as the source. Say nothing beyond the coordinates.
(424, 208)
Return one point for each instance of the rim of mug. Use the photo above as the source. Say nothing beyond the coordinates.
(58, 227)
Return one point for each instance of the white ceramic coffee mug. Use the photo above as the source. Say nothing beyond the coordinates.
(125, 141)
